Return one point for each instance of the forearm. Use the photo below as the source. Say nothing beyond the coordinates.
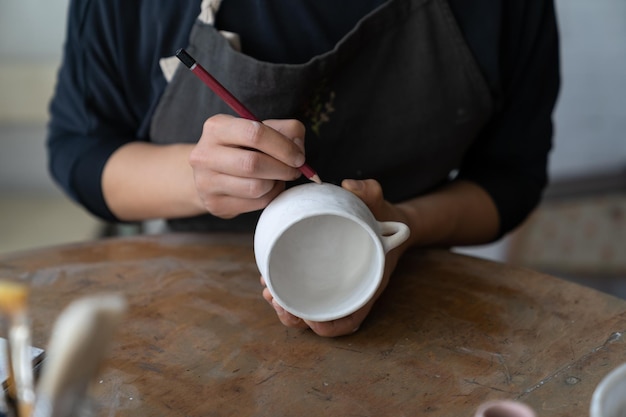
(142, 181)
(460, 213)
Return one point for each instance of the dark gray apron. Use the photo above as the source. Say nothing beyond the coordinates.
(399, 99)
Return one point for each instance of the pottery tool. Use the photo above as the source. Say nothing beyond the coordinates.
(231, 100)
(36, 357)
(13, 304)
(78, 343)
(8, 404)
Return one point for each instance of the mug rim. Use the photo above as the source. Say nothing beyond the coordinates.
(599, 394)
(345, 311)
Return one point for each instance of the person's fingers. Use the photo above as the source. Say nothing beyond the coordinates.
(369, 191)
(299, 143)
(340, 327)
(246, 163)
(286, 318)
(291, 128)
(267, 295)
(233, 131)
(241, 165)
(228, 206)
(236, 187)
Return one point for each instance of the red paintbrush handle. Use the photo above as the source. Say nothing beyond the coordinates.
(224, 94)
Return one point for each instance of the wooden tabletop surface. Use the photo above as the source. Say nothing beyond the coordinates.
(449, 333)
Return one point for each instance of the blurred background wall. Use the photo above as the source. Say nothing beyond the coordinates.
(32, 210)
(587, 165)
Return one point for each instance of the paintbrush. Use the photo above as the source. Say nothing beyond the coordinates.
(13, 304)
(78, 344)
(231, 100)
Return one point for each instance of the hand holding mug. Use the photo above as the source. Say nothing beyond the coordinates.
(323, 255)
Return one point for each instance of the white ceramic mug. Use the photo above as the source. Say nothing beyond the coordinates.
(321, 251)
(609, 397)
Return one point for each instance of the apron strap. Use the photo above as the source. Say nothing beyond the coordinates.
(208, 9)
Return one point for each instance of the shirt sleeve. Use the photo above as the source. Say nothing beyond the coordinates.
(108, 86)
(510, 158)
(77, 145)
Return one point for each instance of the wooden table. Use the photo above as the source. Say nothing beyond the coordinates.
(450, 333)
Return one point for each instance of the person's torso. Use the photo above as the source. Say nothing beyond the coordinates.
(399, 98)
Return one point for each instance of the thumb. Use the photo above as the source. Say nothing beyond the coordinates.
(369, 191)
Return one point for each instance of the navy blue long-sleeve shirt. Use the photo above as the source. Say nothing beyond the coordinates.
(110, 81)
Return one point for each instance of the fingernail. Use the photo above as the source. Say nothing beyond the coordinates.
(277, 307)
(299, 143)
(354, 185)
(300, 160)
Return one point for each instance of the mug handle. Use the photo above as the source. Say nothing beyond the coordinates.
(393, 234)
